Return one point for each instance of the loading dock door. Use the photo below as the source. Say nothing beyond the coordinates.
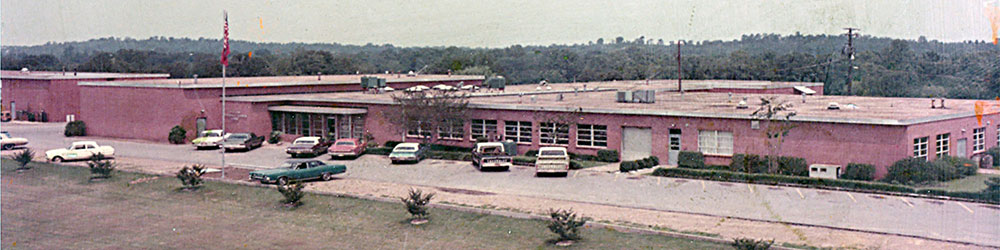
(637, 143)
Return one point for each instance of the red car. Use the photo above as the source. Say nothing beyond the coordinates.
(347, 147)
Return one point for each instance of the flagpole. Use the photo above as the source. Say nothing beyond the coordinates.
(223, 119)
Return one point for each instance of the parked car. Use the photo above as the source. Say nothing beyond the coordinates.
(245, 141)
(552, 160)
(78, 151)
(7, 142)
(310, 145)
(348, 147)
(208, 139)
(294, 170)
(491, 155)
(408, 152)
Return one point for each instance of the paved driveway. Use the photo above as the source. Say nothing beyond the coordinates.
(948, 220)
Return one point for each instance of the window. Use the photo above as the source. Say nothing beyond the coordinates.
(942, 145)
(484, 129)
(518, 131)
(978, 139)
(305, 124)
(920, 148)
(553, 133)
(591, 135)
(452, 130)
(715, 142)
(419, 131)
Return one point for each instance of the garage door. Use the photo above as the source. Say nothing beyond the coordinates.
(637, 143)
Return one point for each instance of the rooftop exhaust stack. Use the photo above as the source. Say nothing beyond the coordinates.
(742, 104)
(942, 102)
(195, 78)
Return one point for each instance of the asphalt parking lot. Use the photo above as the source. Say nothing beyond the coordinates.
(936, 219)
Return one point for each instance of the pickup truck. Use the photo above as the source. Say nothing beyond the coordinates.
(552, 160)
(9, 142)
(208, 139)
(293, 170)
(310, 145)
(244, 141)
(491, 155)
(79, 151)
(348, 147)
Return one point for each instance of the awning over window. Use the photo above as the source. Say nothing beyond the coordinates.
(318, 110)
(803, 89)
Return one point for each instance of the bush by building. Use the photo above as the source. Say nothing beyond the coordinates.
(648, 162)
(275, 137)
(524, 160)
(748, 163)
(691, 159)
(859, 172)
(392, 144)
(914, 171)
(75, 128)
(610, 155)
(995, 153)
(177, 135)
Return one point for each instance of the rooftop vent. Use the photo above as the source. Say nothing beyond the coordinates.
(833, 106)
(742, 104)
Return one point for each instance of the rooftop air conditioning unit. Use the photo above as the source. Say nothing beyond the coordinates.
(644, 96)
(624, 96)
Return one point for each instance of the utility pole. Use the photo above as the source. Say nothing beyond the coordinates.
(679, 86)
(849, 52)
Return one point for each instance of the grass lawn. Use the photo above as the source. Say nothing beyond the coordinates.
(56, 207)
(973, 183)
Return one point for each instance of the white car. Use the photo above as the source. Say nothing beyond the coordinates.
(8, 143)
(552, 160)
(209, 139)
(78, 151)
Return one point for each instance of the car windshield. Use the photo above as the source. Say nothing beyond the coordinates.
(238, 137)
(405, 149)
(210, 134)
(345, 143)
(288, 164)
(553, 153)
(305, 142)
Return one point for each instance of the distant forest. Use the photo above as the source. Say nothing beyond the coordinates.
(883, 66)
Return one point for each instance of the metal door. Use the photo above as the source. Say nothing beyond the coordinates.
(674, 146)
(200, 126)
(960, 148)
(636, 143)
(331, 127)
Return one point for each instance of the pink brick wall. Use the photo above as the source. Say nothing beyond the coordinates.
(57, 98)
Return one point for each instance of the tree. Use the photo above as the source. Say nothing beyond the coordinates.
(416, 204)
(427, 114)
(776, 116)
(191, 176)
(23, 158)
(566, 224)
(293, 194)
(100, 168)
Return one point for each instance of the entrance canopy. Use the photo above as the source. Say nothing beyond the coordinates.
(318, 110)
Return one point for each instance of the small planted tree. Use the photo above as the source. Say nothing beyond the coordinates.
(777, 116)
(293, 194)
(191, 176)
(275, 137)
(423, 113)
(177, 135)
(416, 205)
(567, 225)
(752, 244)
(23, 158)
(100, 168)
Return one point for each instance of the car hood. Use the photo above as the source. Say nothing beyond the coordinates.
(206, 139)
(56, 151)
(269, 171)
(15, 139)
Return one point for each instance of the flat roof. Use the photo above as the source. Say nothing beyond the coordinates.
(601, 98)
(63, 75)
(277, 81)
(318, 110)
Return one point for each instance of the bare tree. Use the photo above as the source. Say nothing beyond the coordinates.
(429, 113)
(776, 114)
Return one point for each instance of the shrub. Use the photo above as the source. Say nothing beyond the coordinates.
(566, 224)
(610, 155)
(293, 193)
(448, 148)
(792, 166)
(777, 179)
(857, 171)
(100, 168)
(391, 144)
(655, 160)
(524, 160)
(627, 166)
(177, 135)
(573, 164)
(191, 176)
(962, 166)
(449, 155)
(995, 153)
(416, 203)
(532, 153)
(751, 244)
(275, 137)
(748, 163)
(379, 151)
(691, 159)
(913, 171)
(992, 184)
(23, 158)
(75, 128)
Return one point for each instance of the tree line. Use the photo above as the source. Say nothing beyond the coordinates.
(883, 66)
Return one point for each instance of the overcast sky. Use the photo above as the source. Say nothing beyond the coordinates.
(493, 23)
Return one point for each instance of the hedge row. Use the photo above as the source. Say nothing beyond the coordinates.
(647, 162)
(986, 195)
(858, 171)
(746, 163)
(603, 155)
(915, 171)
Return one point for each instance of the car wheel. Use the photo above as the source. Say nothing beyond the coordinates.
(394, 162)
(295, 156)
(283, 181)
(57, 159)
(327, 176)
(8, 146)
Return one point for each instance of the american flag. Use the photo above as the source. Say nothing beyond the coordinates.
(225, 39)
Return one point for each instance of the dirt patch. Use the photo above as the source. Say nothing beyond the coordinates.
(464, 191)
(878, 197)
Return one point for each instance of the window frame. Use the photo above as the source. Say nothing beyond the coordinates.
(978, 140)
(451, 129)
(521, 132)
(920, 145)
(483, 127)
(587, 135)
(559, 133)
(942, 145)
(716, 142)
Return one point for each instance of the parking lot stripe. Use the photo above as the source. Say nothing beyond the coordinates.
(905, 201)
(750, 187)
(800, 193)
(852, 197)
(575, 172)
(966, 208)
(658, 181)
(703, 186)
